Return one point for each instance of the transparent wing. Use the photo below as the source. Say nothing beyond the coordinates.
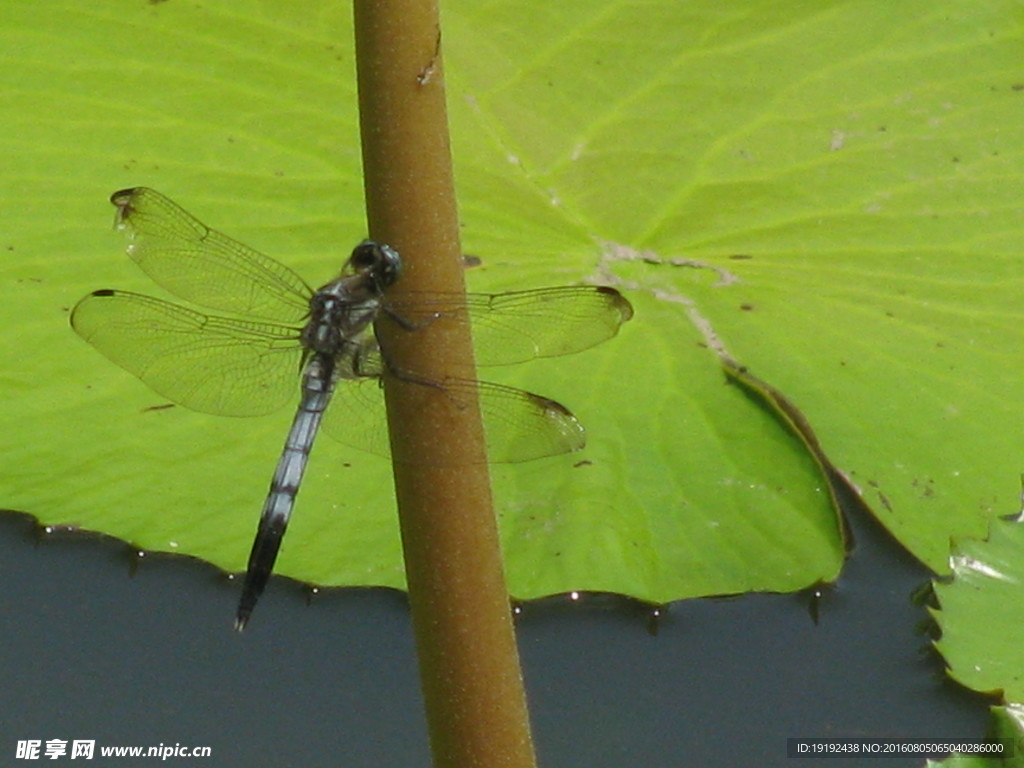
(211, 364)
(201, 265)
(518, 326)
(519, 425)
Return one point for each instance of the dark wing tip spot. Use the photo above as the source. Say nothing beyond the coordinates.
(123, 197)
(618, 301)
(574, 436)
(122, 200)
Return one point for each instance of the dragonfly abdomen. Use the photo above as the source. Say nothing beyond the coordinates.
(317, 386)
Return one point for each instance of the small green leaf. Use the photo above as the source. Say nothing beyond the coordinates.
(982, 638)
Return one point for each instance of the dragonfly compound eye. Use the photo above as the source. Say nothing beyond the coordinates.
(380, 261)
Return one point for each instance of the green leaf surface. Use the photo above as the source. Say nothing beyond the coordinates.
(982, 638)
(827, 191)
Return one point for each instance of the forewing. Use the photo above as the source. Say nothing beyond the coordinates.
(203, 266)
(518, 326)
(207, 363)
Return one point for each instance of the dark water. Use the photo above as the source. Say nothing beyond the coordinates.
(91, 652)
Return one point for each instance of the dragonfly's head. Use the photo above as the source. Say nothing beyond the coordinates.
(376, 261)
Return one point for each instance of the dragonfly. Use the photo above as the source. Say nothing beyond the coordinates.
(280, 338)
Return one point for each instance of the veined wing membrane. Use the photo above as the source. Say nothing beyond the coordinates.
(202, 265)
(518, 425)
(518, 326)
(211, 364)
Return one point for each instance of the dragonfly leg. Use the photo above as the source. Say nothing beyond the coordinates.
(409, 325)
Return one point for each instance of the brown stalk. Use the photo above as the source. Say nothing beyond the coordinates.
(469, 667)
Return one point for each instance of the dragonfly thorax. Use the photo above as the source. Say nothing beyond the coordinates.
(341, 311)
(336, 322)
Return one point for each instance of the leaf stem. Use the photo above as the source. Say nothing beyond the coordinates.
(469, 667)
